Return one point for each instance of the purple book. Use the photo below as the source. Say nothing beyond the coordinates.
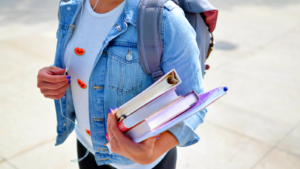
(205, 100)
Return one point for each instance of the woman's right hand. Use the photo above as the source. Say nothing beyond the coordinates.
(52, 83)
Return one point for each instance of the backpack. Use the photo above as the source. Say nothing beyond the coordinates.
(201, 15)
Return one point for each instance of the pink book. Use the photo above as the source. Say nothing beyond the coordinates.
(147, 110)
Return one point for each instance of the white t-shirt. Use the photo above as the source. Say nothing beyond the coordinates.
(90, 36)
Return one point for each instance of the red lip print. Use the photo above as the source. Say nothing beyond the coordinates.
(81, 84)
(88, 132)
(79, 51)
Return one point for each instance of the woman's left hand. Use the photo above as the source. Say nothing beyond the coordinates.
(142, 153)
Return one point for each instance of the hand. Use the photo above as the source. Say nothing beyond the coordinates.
(52, 83)
(142, 153)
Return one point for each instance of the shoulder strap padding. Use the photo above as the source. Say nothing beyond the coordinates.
(149, 36)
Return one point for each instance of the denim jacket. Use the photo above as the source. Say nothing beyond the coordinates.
(116, 79)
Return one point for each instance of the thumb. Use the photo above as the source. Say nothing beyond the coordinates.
(56, 70)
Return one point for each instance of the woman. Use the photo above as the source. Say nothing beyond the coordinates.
(97, 42)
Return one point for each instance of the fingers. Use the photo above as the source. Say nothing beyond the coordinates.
(56, 70)
(55, 97)
(120, 144)
(53, 90)
(51, 83)
(121, 138)
(51, 86)
(115, 147)
(109, 131)
(57, 90)
(55, 78)
(108, 126)
(52, 75)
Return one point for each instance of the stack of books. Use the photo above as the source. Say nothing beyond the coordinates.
(158, 108)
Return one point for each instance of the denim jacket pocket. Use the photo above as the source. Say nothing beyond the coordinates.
(125, 71)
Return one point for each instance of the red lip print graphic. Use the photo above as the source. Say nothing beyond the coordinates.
(79, 51)
(81, 84)
(88, 132)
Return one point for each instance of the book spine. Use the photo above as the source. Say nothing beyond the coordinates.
(122, 127)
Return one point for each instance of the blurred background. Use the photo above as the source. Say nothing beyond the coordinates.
(255, 126)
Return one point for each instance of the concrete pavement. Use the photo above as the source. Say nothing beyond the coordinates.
(255, 126)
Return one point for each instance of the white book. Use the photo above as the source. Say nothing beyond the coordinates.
(147, 110)
(169, 81)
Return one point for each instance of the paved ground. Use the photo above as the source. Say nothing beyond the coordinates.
(256, 126)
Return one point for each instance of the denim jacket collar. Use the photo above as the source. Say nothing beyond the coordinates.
(129, 13)
(131, 10)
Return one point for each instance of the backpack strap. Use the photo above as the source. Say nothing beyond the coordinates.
(149, 30)
(149, 36)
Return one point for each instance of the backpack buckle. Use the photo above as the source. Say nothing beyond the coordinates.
(211, 45)
(157, 74)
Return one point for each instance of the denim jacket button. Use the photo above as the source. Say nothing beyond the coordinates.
(118, 27)
(129, 57)
(97, 87)
(97, 119)
(105, 159)
(68, 8)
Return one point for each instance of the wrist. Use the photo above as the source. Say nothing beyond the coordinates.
(143, 159)
(166, 142)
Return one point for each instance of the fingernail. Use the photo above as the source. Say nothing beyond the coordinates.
(109, 110)
(68, 77)
(69, 81)
(106, 136)
(115, 108)
(158, 137)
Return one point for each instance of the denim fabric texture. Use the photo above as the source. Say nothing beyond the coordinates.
(120, 78)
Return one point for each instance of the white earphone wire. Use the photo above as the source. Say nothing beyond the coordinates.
(95, 5)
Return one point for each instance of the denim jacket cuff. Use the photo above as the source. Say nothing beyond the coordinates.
(185, 134)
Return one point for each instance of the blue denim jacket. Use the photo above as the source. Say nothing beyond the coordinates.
(115, 80)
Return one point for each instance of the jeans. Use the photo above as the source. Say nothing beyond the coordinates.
(168, 162)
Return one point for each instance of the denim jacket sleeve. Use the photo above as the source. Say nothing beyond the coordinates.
(180, 52)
